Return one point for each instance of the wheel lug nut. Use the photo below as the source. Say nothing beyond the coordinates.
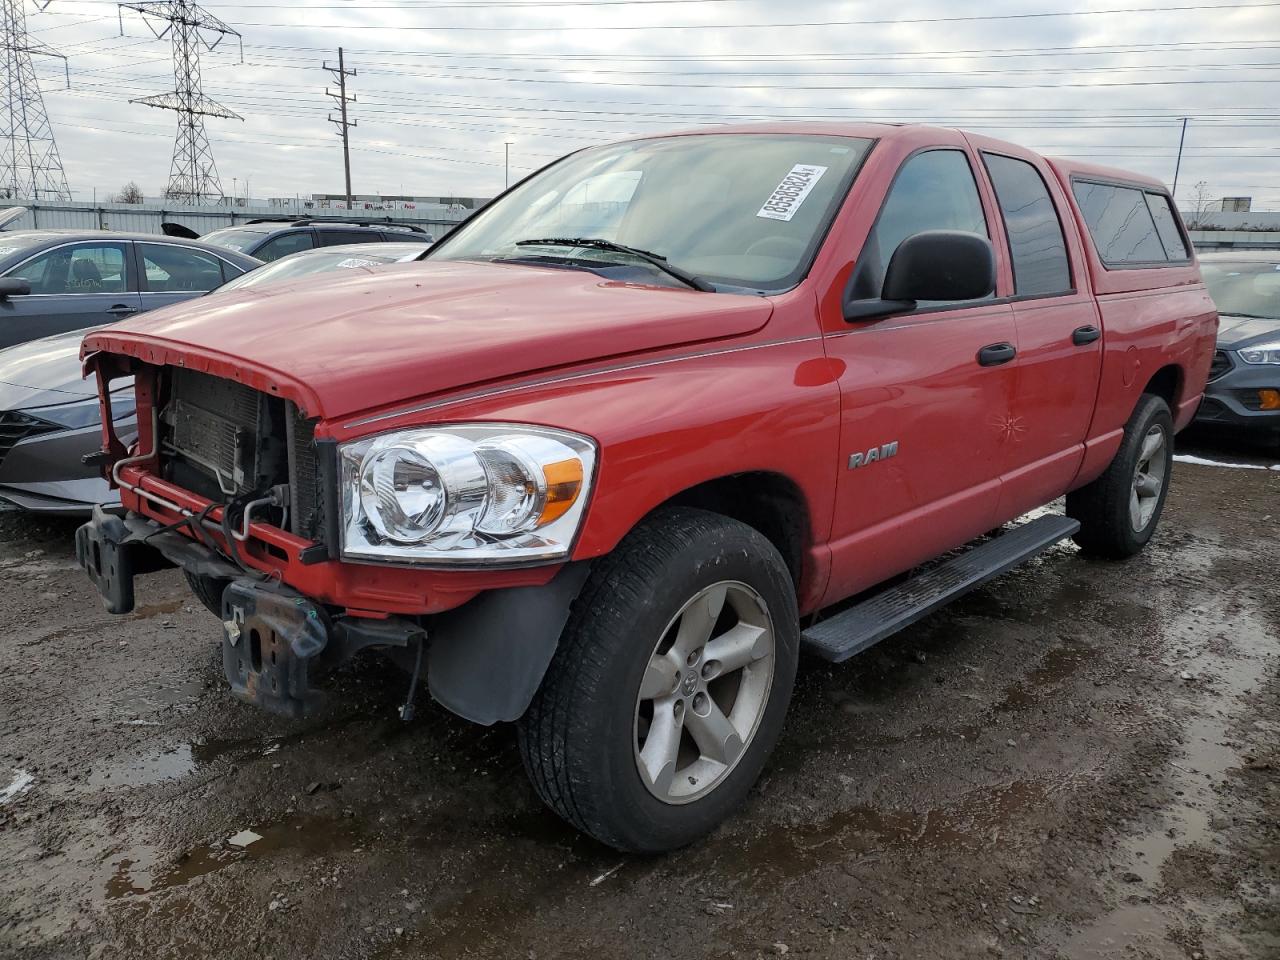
(694, 657)
(710, 669)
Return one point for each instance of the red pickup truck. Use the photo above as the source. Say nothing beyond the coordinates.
(604, 463)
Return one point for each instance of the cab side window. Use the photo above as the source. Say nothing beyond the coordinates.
(283, 245)
(80, 268)
(1036, 245)
(935, 190)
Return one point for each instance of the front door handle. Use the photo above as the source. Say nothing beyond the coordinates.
(1082, 335)
(995, 354)
(122, 309)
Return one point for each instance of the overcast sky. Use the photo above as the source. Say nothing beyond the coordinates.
(444, 83)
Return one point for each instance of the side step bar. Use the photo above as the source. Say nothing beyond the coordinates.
(866, 624)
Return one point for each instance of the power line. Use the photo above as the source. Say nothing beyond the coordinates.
(894, 21)
(30, 165)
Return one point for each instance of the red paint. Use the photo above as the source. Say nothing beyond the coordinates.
(680, 387)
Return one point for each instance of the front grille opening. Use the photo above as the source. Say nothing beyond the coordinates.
(221, 439)
(1220, 365)
(15, 427)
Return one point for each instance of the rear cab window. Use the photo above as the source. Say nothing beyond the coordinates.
(1037, 245)
(1130, 226)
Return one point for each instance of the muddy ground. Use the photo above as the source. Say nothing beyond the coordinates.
(1081, 760)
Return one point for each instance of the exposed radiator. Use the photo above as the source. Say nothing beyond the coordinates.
(222, 439)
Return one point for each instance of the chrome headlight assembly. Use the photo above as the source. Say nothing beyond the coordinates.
(1262, 353)
(465, 494)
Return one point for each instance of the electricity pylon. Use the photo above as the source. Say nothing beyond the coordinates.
(30, 167)
(193, 176)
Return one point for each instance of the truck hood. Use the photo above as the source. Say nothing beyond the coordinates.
(44, 372)
(350, 341)
(1237, 332)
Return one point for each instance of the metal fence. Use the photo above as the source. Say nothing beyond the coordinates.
(147, 218)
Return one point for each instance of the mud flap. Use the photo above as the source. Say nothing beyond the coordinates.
(271, 639)
(487, 658)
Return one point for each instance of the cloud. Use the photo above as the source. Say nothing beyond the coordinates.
(442, 85)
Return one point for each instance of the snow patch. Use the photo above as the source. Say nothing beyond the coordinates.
(21, 783)
(1202, 462)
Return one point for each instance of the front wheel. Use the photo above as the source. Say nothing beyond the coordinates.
(670, 684)
(1119, 511)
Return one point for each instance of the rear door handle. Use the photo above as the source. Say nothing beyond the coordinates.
(1082, 335)
(122, 309)
(995, 354)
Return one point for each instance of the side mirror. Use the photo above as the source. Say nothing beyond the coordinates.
(14, 287)
(945, 265)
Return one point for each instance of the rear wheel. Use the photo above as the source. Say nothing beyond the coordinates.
(1119, 511)
(670, 684)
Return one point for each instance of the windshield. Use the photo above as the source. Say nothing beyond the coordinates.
(301, 264)
(1249, 288)
(240, 240)
(739, 210)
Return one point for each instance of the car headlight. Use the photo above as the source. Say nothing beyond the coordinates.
(465, 494)
(84, 413)
(1262, 353)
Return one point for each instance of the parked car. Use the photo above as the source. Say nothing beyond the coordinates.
(595, 464)
(1243, 395)
(52, 281)
(49, 414)
(270, 240)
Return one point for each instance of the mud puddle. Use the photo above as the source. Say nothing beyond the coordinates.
(141, 873)
(1225, 655)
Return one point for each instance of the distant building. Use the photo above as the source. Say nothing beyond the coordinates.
(365, 201)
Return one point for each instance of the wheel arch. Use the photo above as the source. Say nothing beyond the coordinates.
(1167, 383)
(769, 502)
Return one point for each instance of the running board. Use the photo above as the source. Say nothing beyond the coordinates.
(866, 624)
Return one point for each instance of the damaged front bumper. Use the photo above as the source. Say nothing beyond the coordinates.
(275, 641)
(485, 660)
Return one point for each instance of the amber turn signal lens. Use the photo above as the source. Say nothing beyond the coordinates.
(1269, 399)
(564, 483)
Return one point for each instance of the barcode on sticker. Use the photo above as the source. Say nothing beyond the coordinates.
(790, 193)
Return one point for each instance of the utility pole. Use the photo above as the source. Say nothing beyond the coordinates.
(506, 165)
(193, 176)
(29, 162)
(340, 74)
(1177, 167)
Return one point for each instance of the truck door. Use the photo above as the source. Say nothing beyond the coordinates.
(925, 395)
(1059, 336)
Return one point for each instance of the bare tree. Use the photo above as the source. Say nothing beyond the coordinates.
(129, 193)
(1201, 202)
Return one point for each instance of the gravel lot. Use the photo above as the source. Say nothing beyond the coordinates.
(1081, 760)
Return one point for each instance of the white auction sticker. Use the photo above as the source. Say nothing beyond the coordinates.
(790, 193)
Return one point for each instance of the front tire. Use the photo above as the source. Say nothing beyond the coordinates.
(670, 684)
(1119, 511)
(208, 590)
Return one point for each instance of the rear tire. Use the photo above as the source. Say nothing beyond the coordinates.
(670, 684)
(208, 591)
(1119, 511)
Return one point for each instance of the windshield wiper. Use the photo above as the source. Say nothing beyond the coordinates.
(599, 243)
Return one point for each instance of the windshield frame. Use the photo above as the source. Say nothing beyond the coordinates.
(792, 280)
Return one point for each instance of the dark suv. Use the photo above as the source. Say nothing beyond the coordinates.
(272, 239)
